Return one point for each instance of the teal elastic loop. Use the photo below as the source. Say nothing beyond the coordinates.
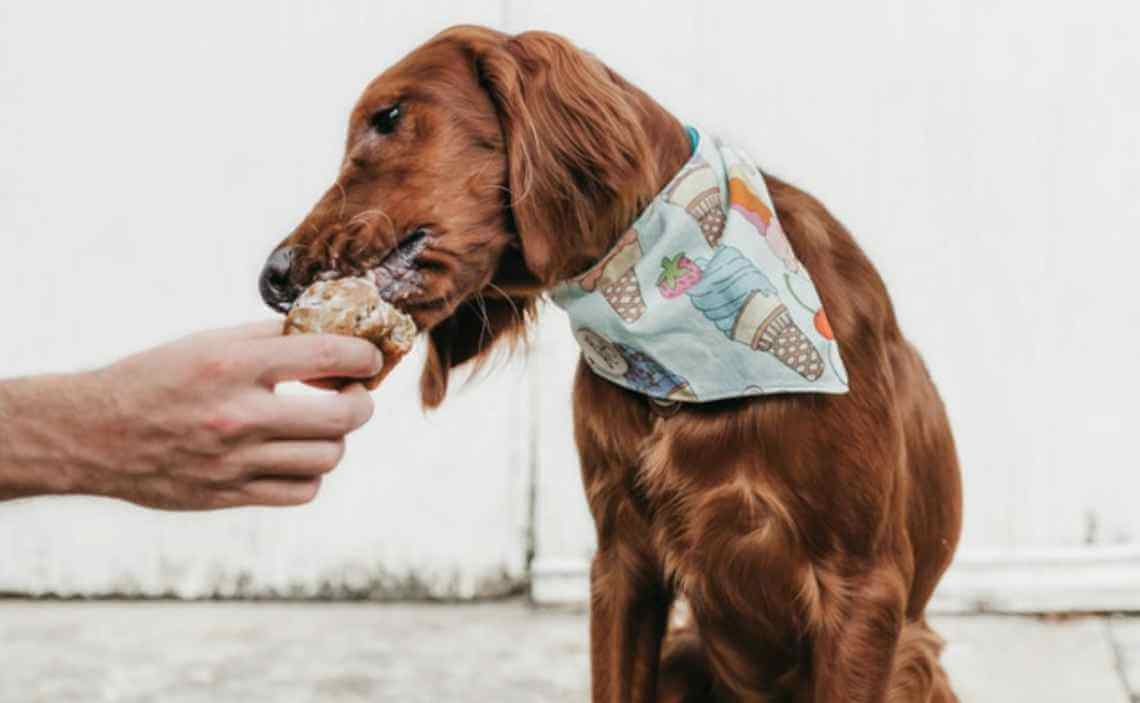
(694, 138)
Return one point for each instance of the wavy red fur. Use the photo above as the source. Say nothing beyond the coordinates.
(806, 532)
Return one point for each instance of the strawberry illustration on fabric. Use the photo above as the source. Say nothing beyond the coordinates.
(678, 274)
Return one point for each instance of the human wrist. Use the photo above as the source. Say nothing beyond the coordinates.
(97, 419)
(48, 422)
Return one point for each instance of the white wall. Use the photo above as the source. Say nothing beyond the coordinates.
(151, 154)
(985, 154)
(987, 157)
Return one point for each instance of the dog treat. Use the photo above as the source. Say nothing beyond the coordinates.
(353, 307)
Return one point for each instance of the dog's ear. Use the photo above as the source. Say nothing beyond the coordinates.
(501, 312)
(465, 336)
(582, 161)
(578, 156)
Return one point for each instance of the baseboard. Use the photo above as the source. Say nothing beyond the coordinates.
(559, 582)
(1085, 579)
(1076, 579)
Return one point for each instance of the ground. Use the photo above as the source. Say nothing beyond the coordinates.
(502, 652)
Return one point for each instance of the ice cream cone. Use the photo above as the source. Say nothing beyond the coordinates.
(744, 305)
(698, 191)
(616, 280)
(743, 199)
(765, 324)
(648, 375)
(683, 394)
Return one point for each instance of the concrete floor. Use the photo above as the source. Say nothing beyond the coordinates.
(503, 652)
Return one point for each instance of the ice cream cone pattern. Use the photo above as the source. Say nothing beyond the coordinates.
(744, 305)
(743, 199)
(696, 188)
(638, 370)
(616, 280)
(651, 378)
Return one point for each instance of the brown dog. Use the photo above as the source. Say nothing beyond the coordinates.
(807, 532)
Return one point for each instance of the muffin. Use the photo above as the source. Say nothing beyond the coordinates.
(353, 307)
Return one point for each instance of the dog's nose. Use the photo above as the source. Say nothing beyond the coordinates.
(277, 289)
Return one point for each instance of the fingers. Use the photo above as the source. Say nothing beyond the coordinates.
(317, 416)
(250, 330)
(336, 384)
(291, 458)
(390, 362)
(331, 384)
(279, 491)
(281, 473)
(306, 357)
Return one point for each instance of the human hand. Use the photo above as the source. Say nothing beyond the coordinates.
(196, 424)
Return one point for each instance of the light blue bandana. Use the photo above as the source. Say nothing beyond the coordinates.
(703, 298)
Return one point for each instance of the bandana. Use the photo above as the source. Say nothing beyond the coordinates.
(703, 298)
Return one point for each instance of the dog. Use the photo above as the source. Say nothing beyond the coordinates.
(806, 532)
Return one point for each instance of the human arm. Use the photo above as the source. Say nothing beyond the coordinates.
(194, 424)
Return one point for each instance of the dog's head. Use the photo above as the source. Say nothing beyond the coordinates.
(478, 171)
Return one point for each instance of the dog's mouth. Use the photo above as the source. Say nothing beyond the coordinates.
(396, 276)
(414, 277)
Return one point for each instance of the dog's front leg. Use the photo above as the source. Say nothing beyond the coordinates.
(869, 653)
(854, 651)
(628, 614)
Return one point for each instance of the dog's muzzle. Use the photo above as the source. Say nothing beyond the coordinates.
(395, 275)
(276, 286)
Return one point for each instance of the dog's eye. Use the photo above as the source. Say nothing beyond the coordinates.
(384, 120)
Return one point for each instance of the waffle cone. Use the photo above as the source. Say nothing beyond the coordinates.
(623, 257)
(782, 338)
(624, 296)
(707, 211)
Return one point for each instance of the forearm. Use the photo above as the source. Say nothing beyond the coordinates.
(49, 434)
(191, 425)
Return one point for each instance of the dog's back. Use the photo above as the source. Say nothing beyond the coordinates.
(884, 363)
